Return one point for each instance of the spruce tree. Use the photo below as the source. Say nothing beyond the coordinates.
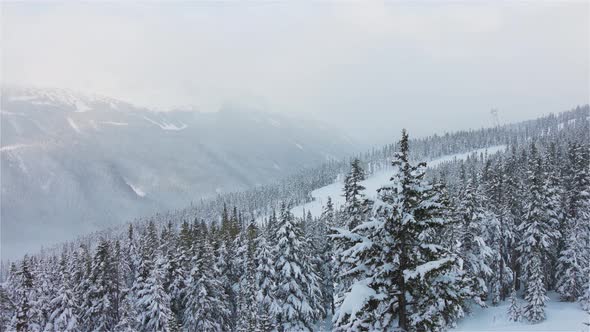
(538, 235)
(100, 314)
(295, 312)
(474, 250)
(266, 283)
(64, 316)
(400, 259)
(23, 314)
(153, 303)
(354, 212)
(573, 272)
(514, 310)
(206, 307)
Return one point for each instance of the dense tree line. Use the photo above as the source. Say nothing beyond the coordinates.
(416, 255)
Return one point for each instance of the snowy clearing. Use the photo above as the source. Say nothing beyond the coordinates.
(374, 182)
(561, 316)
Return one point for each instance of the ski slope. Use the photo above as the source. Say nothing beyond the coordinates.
(374, 182)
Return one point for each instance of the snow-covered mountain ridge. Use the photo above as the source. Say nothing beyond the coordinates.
(78, 162)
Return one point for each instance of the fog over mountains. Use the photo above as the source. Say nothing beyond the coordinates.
(72, 161)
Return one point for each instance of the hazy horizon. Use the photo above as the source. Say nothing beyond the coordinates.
(367, 68)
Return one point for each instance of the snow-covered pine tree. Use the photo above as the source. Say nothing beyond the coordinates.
(64, 315)
(23, 314)
(46, 275)
(224, 266)
(574, 258)
(514, 310)
(355, 211)
(127, 314)
(247, 307)
(499, 232)
(473, 250)
(554, 192)
(206, 307)
(100, 315)
(82, 269)
(535, 292)
(326, 253)
(130, 258)
(8, 297)
(152, 302)
(356, 206)
(538, 235)
(295, 312)
(7, 308)
(400, 262)
(313, 245)
(515, 194)
(265, 283)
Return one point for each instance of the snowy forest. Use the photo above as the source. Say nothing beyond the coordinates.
(434, 243)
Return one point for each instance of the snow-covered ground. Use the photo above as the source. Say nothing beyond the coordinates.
(374, 182)
(560, 316)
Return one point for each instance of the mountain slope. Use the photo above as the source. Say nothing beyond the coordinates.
(72, 163)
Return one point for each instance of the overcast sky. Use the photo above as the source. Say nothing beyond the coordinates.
(364, 66)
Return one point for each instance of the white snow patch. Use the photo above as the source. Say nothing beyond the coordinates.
(15, 147)
(355, 300)
(462, 156)
(166, 126)
(560, 316)
(274, 123)
(74, 125)
(113, 123)
(170, 126)
(138, 191)
(81, 107)
(423, 269)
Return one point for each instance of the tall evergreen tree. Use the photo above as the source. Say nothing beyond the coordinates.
(573, 272)
(153, 303)
(474, 250)
(266, 283)
(400, 261)
(538, 235)
(295, 312)
(206, 308)
(22, 320)
(64, 316)
(100, 315)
